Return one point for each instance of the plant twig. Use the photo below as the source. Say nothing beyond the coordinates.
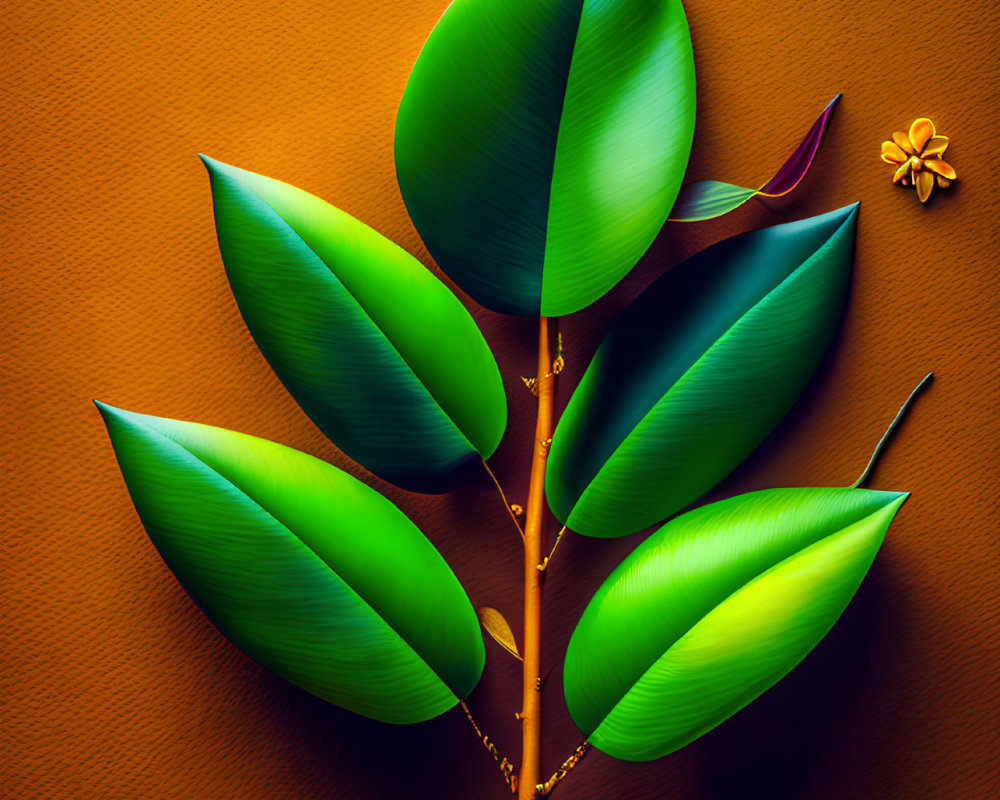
(545, 789)
(503, 497)
(545, 561)
(531, 705)
(506, 767)
(863, 479)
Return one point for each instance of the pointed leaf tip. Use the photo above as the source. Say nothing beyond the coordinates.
(210, 163)
(108, 411)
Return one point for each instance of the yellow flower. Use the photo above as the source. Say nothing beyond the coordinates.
(917, 158)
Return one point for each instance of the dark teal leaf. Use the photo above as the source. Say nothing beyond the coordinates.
(696, 372)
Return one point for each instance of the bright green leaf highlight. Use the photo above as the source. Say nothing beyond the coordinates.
(307, 570)
(377, 351)
(540, 146)
(713, 609)
(696, 372)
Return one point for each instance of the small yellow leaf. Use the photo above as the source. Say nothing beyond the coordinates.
(921, 131)
(496, 625)
(891, 154)
(942, 168)
(925, 183)
(903, 142)
(935, 147)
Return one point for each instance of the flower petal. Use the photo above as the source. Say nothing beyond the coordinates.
(920, 132)
(925, 183)
(935, 147)
(942, 168)
(900, 173)
(943, 182)
(892, 154)
(903, 141)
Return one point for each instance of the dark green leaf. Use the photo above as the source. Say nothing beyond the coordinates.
(696, 372)
(377, 351)
(713, 609)
(307, 570)
(540, 146)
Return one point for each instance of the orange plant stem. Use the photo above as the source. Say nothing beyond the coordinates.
(531, 708)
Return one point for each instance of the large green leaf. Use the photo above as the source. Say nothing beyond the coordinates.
(307, 570)
(540, 146)
(696, 372)
(377, 351)
(713, 609)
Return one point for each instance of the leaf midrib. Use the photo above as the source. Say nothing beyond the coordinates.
(726, 599)
(708, 350)
(555, 151)
(301, 541)
(392, 346)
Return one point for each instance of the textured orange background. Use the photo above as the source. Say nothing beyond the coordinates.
(115, 686)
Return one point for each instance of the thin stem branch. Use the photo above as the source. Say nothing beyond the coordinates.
(531, 701)
(503, 497)
(506, 767)
(545, 789)
(863, 479)
(545, 561)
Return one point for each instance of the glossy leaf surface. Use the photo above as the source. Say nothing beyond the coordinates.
(307, 570)
(696, 371)
(713, 609)
(377, 351)
(702, 200)
(540, 146)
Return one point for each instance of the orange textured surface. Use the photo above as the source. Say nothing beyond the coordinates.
(115, 686)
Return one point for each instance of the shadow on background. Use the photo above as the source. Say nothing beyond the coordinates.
(774, 747)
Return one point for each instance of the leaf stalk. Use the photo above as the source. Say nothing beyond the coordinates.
(503, 497)
(506, 767)
(545, 789)
(863, 478)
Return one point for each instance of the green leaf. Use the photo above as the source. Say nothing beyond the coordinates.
(540, 146)
(307, 570)
(696, 372)
(713, 609)
(377, 351)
